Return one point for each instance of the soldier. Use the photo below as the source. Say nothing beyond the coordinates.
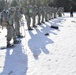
(71, 11)
(55, 12)
(59, 12)
(35, 11)
(46, 14)
(28, 15)
(62, 9)
(43, 14)
(50, 16)
(8, 22)
(39, 15)
(17, 17)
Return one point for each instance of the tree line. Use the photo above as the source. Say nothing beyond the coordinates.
(4, 4)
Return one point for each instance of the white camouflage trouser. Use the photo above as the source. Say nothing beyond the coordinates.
(17, 28)
(34, 20)
(10, 33)
(28, 18)
(43, 17)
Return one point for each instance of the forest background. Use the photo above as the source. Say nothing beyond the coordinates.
(4, 4)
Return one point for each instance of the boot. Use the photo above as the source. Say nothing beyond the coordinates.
(20, 36)
(30, 28)
(9, 45)
(34, 26)
(16, 42)
(43, 22)
(39, 23)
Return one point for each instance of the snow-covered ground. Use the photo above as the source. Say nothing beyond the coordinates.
(38, 54)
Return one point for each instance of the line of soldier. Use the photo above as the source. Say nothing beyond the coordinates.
(44, 13)
(11, 17)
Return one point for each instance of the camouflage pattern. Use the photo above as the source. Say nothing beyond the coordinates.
(9, 25)
(50, 16)
(52, 13)
(17, 17)
(55, 12)
(43, 14)
(35, 11)
(10, 30)
(39, 14)
(59, 12)
(28, 14)
(46, 11)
